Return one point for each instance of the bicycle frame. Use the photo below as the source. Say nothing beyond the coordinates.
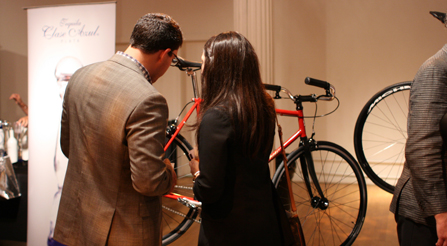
(196, 106)
(301, 133)
(187, 201)
(306, 178)
(306, 165)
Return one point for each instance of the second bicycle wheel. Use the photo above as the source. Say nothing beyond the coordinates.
(177, 218)
(335, 217)
(380, 135)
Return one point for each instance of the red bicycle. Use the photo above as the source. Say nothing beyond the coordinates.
(328, 185)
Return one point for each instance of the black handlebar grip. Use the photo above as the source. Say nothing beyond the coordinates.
(319, 83)
(310, 98)
(270, 87)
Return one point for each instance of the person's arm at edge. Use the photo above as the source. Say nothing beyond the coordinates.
(151, 173)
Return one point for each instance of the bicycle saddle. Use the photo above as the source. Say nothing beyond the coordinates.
(440, 16)
(183, 64)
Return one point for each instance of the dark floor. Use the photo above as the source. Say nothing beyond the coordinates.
(379, 227)
(11, 243)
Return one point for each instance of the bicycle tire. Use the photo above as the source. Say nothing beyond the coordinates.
(177, 218)
(380, 135)
(340, 220)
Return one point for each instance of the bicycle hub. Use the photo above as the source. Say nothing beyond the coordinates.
(321, 203)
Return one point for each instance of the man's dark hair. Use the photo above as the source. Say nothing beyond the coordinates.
(154, 32)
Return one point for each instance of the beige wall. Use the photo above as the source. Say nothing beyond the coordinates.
(359, 46)
(371, 44)
(299, 48)
(199, 19)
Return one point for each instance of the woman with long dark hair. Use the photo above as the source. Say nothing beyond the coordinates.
(236, 127)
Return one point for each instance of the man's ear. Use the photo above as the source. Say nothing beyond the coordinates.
(167, 53)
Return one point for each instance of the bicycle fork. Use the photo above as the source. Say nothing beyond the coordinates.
(308, 169)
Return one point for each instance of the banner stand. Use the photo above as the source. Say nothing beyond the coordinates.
(61, 39)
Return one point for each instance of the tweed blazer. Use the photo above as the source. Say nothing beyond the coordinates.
(113, 132)
(421, 190)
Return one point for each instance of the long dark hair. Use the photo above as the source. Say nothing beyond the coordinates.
(232, 81)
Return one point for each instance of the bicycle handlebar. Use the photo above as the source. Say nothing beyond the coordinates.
(276, 88)
(330, 91)
(318, 83)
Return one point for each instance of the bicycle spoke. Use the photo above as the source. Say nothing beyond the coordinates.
(335, 218)
(177, 218)
(380, 135)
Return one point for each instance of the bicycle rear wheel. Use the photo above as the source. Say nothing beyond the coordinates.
(337, 217)
(177, 218)
(380, 135)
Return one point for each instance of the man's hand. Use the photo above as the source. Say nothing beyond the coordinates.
(441, 228)
(174, 175)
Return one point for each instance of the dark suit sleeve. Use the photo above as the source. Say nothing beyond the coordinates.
(146, 131)
(428, 103)
(215, 136)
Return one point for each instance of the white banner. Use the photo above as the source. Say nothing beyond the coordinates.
(61, 39)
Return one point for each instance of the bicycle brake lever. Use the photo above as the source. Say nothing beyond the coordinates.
(330, 94)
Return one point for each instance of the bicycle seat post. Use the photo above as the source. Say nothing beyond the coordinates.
(192, 74)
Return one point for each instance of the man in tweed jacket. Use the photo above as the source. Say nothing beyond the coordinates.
(113, 133)
(420, 197)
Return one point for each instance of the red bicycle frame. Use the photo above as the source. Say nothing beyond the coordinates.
(300, 133)
(294, 113)
(196, 105)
